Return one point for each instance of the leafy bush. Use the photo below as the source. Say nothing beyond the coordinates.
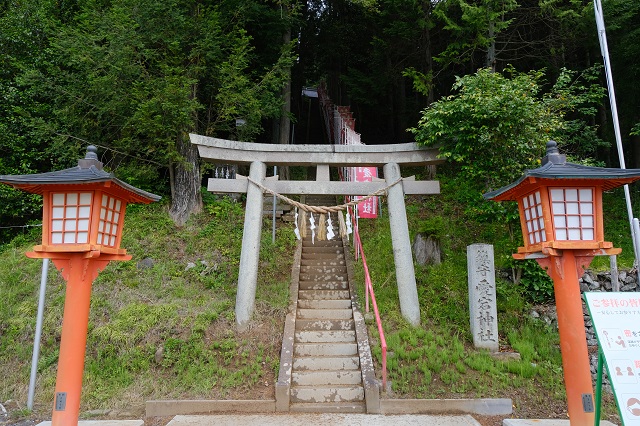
(536, 283)
(490, 116)
(145, 176)
(496, 126)
(17, 209)
(223, 208)
(433, 227)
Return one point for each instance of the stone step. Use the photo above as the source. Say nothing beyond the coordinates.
(324, 314)
(322, 250)
(308, 242)
(332, 407)
(324, 200)
(326, 363)
(268, 205)
(320, 197)
(325, 370)
(326, 377)
(323, 277)
(323, 285)
(323, 269)
(326, 325)
(324, 304)
(330, 336)
(311, 269)
(288, 217)
(325, 349)
(324, 257)
(338, 261)
(335, 393)
(324, 295)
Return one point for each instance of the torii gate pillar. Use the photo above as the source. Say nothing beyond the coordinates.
(405, 273)
(250, 255)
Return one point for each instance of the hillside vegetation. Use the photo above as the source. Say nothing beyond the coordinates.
(162, 325)
(489, 82)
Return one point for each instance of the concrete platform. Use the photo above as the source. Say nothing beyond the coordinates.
(545, 422)
(388, 407)
(102, 423)
(483, 407)
(323, 420)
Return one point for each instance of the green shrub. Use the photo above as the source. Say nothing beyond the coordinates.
(536, 283)
(434, 226)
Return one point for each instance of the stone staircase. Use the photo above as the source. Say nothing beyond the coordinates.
(326, 361)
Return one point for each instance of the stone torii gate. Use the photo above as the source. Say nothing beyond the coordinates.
(259, 156)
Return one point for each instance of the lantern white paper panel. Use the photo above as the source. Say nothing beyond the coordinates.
(70, 214)
(109, 221)
(572, 211)
(532, 206)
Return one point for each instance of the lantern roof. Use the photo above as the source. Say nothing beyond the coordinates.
(555, 167)
(88, 171)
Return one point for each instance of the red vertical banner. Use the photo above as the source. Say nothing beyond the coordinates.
(367, 209)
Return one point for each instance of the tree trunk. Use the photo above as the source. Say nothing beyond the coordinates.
(285, 119)
(185, 183)
(635, 144)
(491, 52)
(402, 134)
(426, 40)
(391, 113)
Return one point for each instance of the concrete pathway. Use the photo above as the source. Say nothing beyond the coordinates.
(102, 423)
(290, 419)
(323, 419)
(545, 422)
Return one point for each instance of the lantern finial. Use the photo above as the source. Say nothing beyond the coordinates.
(553, 154)
(90, 159)
(92, 153)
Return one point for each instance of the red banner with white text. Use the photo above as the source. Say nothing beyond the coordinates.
(368, 209)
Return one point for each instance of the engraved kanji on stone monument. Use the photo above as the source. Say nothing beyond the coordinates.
(482, 296)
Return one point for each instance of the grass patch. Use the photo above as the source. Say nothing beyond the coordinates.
(437, 359)
(161, 325)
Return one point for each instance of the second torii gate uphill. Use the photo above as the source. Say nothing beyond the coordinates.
(259, 156)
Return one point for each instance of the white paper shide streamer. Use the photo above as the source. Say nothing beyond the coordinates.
(297, 230)
(330, 233)
(312, 226)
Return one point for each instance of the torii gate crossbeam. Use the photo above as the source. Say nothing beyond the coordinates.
(390, 157)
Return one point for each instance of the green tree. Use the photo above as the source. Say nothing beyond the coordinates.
(136, 77)
(496, 126)
(622, 20)
(474, 25)
(343, 41)
(25, 27)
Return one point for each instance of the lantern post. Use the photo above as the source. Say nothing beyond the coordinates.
(83, 216)
(560, 205)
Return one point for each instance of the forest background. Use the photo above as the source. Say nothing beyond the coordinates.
(135, 77)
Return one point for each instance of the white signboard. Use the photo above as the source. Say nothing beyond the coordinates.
(616, 319)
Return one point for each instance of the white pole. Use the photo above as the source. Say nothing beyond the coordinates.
(604, 49)
(36, 339)
(273, 228)
(636, 234)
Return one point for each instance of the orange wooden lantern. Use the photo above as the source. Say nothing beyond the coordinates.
(83, 216)
(560, 207)
(83, 207)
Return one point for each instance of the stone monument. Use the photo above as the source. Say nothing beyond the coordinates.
(483, 310)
